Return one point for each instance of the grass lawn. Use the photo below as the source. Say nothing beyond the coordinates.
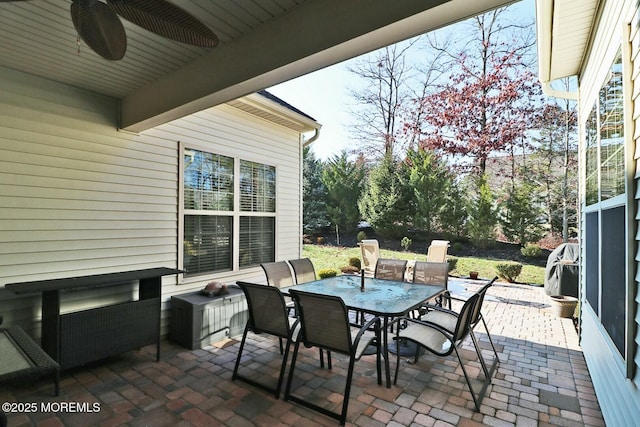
(335, 257)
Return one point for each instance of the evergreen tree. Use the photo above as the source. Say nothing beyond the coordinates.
(314, 194)
(385, 203)
(431, 182)
(482, 215)
(343, 180)
(521, 214)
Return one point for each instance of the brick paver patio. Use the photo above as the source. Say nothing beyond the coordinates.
(542, 380)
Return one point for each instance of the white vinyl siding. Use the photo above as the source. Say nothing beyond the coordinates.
(79, 197)
(616, 378)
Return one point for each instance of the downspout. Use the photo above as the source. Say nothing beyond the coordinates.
(312, 139)
(304, 144)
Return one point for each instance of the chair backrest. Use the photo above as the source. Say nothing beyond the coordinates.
(431, 273)
(267, 309)
(465, 317)
(437, 251)
(391, 269)
(370, 250)
(303, 270)
(475, 316)
(324, 321)
(278, 274)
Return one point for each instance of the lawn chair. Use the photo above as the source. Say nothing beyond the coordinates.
(334, 334)
(437, 251)
(440, 341)
(370, 250)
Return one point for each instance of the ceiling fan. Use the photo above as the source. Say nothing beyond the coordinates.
(97, 23)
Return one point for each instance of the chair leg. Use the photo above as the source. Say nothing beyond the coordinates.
(476, 344)
(244, 338)
(476, 400)
(495, 352)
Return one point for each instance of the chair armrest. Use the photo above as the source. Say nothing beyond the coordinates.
(366, 327)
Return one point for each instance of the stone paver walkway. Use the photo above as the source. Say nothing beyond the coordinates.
(542, 380)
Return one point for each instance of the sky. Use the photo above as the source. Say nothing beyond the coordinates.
(324, 95)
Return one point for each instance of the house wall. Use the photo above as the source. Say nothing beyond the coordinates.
(616, 381)
(79, 197)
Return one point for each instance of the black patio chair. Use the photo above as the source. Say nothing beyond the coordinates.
(390, 269)
(267, 314)
(433, 273)
(324, 323)
(441, 341)
(303, 270)
(447, 319)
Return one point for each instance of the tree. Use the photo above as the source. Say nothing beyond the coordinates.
(385, 201)
(521, 213)
(314, 194)
(489, 100)
(482, 214)
(431, 183)
(343, 180)
(379, 101)
(555, 162)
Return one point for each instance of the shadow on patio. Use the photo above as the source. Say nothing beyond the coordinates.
(542, 380)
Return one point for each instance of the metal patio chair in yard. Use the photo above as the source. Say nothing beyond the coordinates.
(442, 341)
(437, 251)
(303, 270)
(370, 250)
(324, 323)
(267, 314)
(390, 269)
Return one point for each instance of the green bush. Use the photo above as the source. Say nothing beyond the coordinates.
(406, 243)
(327, 272)
(457, 246)
(361, 236)
(509, 270)
(531, 251)
(453, 263)
(355, 262)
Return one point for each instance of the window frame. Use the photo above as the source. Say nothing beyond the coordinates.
(236, 213)
(624, 359)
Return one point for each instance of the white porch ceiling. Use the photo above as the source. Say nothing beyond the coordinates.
(564, 32)
(262, 43)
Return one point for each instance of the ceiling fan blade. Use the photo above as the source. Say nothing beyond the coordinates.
(165, 19)
(100, 28)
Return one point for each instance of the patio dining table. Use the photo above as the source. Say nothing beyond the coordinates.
(385, 298)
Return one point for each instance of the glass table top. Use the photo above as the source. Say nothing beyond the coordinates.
(379, 297)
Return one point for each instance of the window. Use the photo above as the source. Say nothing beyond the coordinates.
(605, 201)
(216, 204)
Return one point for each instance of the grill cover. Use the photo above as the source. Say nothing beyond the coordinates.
(562, 271)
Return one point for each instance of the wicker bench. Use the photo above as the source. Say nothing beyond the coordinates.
(21, 358)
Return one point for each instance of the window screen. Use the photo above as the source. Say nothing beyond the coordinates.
(257, 240)
(613, 275)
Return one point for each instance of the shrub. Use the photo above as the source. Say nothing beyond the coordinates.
(355, 262)
(457, 246)
(327, 272)
(531, 251)
(509, 270)
(361, 236)
(350, 269)
(453, 263)
(405, 243)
